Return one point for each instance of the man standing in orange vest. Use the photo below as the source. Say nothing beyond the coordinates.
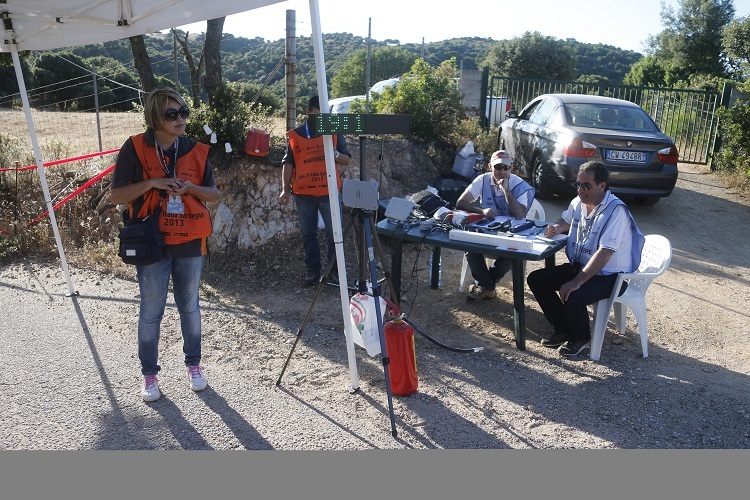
(304, 175)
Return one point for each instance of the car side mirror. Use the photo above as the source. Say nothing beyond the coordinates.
(511, 114)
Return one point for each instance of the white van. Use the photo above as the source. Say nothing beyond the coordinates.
(496, 109)
(342, 104)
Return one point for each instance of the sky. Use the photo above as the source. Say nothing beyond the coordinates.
(622, 23)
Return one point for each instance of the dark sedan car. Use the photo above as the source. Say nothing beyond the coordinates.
(556, 133)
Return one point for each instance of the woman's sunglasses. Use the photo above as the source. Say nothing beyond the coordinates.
(171, 114)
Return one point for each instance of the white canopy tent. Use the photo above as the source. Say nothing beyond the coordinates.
(51, 24)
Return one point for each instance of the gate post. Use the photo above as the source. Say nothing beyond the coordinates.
(726, 93)
(484, 120)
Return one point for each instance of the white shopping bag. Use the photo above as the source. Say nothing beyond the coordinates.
(364, 319)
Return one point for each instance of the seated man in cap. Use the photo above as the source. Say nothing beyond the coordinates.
(501, 193)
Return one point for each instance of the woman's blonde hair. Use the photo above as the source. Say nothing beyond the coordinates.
(156, 103)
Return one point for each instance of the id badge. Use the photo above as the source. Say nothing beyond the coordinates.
(175, 205)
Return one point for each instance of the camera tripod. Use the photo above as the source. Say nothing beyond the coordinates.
(369, 244)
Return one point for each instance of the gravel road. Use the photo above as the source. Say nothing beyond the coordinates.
(70, 373)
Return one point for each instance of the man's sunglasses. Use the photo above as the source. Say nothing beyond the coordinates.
(502, 166)
(171, 114)
(585, 186)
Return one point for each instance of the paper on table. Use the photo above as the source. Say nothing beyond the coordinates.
(557, 237)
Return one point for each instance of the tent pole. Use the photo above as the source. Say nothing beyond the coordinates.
(40, 167)
(333, 194)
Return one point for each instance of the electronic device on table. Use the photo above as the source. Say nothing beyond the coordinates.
(492, 239)
(399, 209)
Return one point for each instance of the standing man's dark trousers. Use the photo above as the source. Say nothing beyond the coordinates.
(571, 317)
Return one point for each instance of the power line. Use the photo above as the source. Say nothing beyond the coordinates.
(112, 104)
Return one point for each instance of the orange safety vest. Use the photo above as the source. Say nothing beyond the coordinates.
(195, 222)
(310, 176)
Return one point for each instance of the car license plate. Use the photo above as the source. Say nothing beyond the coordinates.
(616, 154)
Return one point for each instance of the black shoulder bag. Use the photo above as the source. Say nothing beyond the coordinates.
(141, 243)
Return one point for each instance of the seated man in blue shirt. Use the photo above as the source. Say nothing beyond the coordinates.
(501, 193)
(603, 240)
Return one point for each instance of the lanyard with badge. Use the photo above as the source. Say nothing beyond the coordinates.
(497, 193)
(175, 204)
(585, 225)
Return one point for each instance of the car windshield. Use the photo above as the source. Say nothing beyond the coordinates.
(610, 117)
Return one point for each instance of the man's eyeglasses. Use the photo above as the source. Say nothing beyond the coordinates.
(585, 186)
(171, 114)
(502, 166)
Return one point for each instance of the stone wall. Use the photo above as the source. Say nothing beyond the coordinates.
(248, 214)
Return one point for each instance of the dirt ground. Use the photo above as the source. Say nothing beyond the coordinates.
(691, 392)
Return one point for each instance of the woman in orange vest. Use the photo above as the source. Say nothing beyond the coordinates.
(161, 168)
(304, 175)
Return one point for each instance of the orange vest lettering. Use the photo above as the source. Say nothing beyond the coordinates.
(195, 221)
(310, 176)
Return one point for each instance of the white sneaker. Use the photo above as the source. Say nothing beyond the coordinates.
(150, 390)
(197, 379)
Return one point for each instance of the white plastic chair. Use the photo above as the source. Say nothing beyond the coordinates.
(536, 212)
(655, 258)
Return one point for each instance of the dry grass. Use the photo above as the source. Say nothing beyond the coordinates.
(88, 223)
(76, 130)
(740, 183)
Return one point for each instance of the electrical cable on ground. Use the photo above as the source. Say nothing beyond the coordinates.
(397, 313)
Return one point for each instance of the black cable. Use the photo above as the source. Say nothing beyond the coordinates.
(403, 316)
(440, 344)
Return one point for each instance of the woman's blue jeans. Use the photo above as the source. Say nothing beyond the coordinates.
(153, 282)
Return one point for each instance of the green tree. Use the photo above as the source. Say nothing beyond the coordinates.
(532, 55)
(196, 69)
(734, 154)
(8, 80)
(212, 56)
(385, 62)
(142, 63)
(648, 72)
(67, 82)
(115, 88)
(691, 42)
(736, 41)
(608, 61)
(598, 79)
(430, 96)
(230, 116)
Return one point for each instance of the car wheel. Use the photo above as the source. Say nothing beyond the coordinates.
(539, 179)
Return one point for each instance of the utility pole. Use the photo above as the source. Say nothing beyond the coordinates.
(96, 107)
(367, 73)
(291, 59)
(174, 52)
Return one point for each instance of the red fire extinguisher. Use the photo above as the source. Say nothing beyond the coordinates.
(402, 369)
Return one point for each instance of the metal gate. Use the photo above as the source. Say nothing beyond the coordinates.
(687, 116)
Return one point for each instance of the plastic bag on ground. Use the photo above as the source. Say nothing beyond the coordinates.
(365, 332)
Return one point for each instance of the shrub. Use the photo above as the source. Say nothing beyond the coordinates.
(470, 129)
(230, 117)
(12, 151)
(430, 96)
(734, 154)
(83, 221)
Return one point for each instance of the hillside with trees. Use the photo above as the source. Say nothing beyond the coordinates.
(253, 61)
